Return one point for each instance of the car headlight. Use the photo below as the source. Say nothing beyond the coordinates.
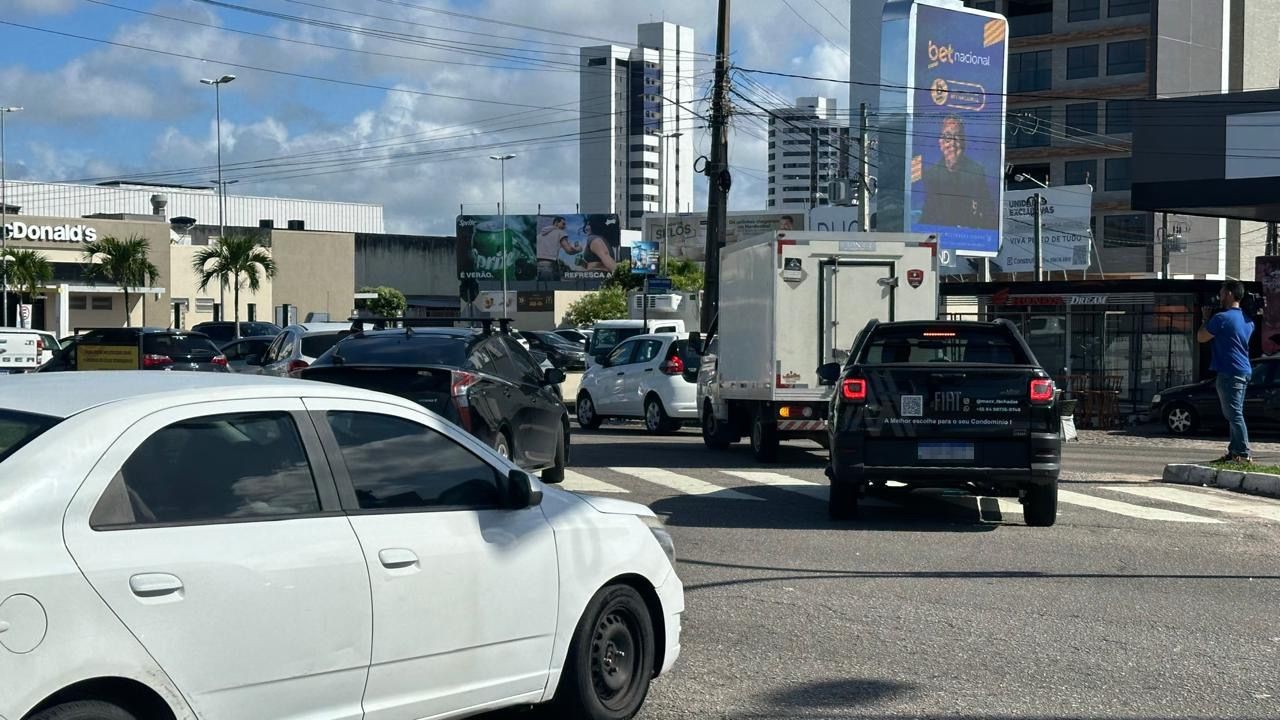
(1156, 400)
(662, 536)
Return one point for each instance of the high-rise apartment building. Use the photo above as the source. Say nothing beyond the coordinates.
(808, 149)
(638, 124)
(1075, 68)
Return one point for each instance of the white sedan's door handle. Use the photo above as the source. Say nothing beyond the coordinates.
(397, 558)
(151, 585)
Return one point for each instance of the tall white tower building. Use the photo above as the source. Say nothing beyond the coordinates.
(633, 102)
(808, 149)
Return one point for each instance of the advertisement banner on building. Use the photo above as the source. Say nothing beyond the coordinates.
(490, 302)
(689, 230)
(1267, 273)
(645, 255)
(544, 248)
(834, 218)
(535, 300)
(1066, 239)
(955, 128)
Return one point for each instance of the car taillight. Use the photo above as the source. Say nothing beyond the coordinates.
(460, 383)
(39, 345)
(854, 389)
(673, 366)
(152, 361)
(296, 366)
(1041, 391)
(219, 360)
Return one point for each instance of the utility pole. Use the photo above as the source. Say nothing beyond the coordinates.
(864, 173)
(1273, 240)
(717, 171)
(1164, 245)
(1039, 237)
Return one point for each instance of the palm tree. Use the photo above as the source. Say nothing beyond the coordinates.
(238, 260)
(124, 263)
(28, 270)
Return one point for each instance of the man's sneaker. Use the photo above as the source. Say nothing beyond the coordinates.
(1242, 459)
(1226, 458)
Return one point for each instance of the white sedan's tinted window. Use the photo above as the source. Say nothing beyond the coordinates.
(398, 464)
(221, 467)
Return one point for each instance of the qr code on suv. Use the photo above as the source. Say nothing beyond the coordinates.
(912, 405)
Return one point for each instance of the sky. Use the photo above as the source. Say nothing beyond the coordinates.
(427, 90)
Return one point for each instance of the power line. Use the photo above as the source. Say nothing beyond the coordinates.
(814, 28)
(833, 15)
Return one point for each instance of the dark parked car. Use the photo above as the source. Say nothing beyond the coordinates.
(1188, 408)
(564, 354)
(138, 349)
(224, 331)
(246, 352)
(485, 382)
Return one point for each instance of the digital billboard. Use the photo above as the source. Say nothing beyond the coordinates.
(954, 147)
(541, 248)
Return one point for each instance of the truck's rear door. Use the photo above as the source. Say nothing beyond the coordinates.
(946, 394)
(852, 292)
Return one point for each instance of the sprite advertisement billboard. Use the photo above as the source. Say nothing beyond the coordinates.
(542, 248)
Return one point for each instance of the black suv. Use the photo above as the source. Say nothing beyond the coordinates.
(144, 348)
(483, 381)
(224, 331)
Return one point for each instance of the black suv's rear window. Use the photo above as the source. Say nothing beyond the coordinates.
(19, 428)
(401, 349)
(179, 345)
(890, 344)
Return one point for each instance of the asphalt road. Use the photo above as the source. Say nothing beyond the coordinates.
(1144, 601)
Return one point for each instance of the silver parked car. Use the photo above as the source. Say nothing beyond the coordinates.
(297, 347)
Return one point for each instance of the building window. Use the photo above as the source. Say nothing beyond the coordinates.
(793, 188)
(1126, 58)
(772, 203)
(1081, 10)
(1121, 8)
(1029, 127)
(597, 62)
(643, 181)
(1031, 71)
(638, 198)
(1030, 17)
(1082, 62)
(1082, 119)
(204, 306)
(1120, 231)
(101, 302)
(1119, 117)
(795, 154)
(1039, 171)
(78, 302)
(1118, 179)
(770, 191)
(1080, 172)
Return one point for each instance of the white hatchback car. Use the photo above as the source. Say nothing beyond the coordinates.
(643, 377)
(226, 547)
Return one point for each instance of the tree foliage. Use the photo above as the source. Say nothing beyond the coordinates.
(124, 263)
(26, 271)
(238, 260)
(389, 303)
(608, 303)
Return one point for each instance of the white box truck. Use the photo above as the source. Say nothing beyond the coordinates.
(789, 303)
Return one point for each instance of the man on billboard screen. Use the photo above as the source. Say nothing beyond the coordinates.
(957, 135)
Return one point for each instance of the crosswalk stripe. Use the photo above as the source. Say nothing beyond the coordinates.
(1207, 500)
(782, 482)
(577, 482)
(682, 483)
(1134, 511)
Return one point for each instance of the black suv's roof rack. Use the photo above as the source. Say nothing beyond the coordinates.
(358, 324)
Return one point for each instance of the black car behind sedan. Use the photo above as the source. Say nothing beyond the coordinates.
(487, 383)
(1188, 408)
(138, 348)
(564, 354)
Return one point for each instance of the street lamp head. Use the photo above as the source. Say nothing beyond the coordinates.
(16, 108)
(501, 157)
(220, 81)
(1022, 177)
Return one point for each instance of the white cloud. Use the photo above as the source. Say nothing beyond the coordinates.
(420, 184)
(43, 7)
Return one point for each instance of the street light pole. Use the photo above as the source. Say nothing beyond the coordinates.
(1038, 199)
(666, 208)
(4, 219)
(222, 203)
(502, 162)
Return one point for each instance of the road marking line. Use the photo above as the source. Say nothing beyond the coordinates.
(1204, 500)
(683, 483)
(577, 482)
(783, 482)
(1134, 511)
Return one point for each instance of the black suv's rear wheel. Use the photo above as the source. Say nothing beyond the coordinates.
(1040, 505)
(843, 501)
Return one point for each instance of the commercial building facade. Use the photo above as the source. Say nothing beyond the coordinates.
(633, 101)
(808, 149)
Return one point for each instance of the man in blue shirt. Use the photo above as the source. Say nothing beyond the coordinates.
(1229, 330)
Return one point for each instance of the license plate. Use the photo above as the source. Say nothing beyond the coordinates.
(945, 451)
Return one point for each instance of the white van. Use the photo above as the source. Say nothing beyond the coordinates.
(20, 350)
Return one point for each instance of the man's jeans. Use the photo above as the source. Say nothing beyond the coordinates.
(1231, 390)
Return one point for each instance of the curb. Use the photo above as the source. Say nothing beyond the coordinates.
(1203, 475)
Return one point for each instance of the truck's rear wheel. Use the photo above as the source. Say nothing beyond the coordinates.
(843, 501)
(1040, 505)
(764, 439)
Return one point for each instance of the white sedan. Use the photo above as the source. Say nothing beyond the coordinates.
(643, 377)
(224, 547)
